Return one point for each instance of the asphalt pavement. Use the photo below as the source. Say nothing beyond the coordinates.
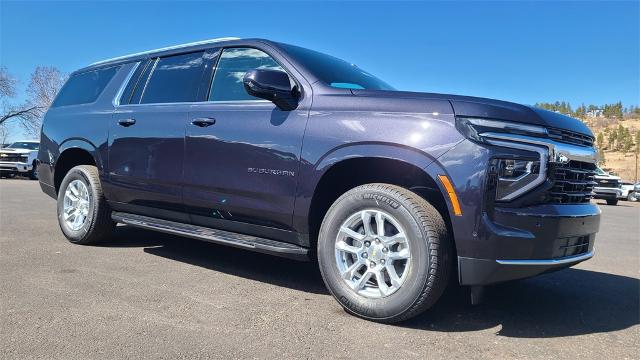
(151, 295)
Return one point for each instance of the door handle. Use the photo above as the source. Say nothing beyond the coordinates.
(203, 122)
(126, 122)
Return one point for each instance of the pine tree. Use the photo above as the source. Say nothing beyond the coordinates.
(601, 160)
(612, 139)
(600, 141)
(627, 143)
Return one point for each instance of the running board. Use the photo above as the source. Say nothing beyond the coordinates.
(242, 241)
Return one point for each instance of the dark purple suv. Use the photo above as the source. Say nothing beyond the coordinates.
(287, 151)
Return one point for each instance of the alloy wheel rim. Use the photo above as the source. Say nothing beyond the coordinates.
(372, 253)
(76, 205)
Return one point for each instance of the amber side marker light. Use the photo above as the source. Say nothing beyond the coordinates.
(452, 194)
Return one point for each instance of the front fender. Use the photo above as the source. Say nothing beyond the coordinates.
(311, 174)
(371, 150)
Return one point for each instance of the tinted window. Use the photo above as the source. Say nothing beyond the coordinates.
(175, 79)
(133, 82)
(142, 82)
(24, 145)
(85, 87)
(335, 72)
(233, 64)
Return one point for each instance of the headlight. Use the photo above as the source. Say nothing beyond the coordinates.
(515, 177)
(473, 128)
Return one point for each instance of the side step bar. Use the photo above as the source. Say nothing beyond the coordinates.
(249, 242)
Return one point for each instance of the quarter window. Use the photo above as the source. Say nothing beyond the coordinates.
(174, 79)
(85, 87)
(233, 64)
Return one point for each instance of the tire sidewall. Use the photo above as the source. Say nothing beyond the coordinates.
(412, 288)
(79, 235)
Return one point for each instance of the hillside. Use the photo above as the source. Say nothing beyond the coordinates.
(615, 160)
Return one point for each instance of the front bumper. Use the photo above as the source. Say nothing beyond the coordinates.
(485, 272)
(539, 239)
(606, 193)
(15, 167)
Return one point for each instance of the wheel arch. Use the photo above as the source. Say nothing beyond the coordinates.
(350, 166)
(74, 152)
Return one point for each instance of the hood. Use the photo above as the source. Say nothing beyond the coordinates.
(15, 151)
(470, 106)
(607, 177)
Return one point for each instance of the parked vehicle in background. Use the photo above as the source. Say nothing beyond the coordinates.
(20, 157)
(279, 149)
(635, 194)
(627, 190)
(607, 187)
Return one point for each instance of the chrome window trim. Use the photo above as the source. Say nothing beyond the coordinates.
(548, 262)
(174, 47)
(230, 102)
(116, 99)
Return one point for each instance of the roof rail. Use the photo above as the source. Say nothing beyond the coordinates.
(203, 42)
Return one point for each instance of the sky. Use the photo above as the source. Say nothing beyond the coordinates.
(526, 52)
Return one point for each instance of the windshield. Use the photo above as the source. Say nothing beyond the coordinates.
(600, 171)
(335, 72)
(24, 145)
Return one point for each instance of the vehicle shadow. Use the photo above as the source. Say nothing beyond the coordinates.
(303, 276)
(564, 303)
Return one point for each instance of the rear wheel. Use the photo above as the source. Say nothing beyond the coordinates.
(612, 201)
(83, 213)
(384, 252)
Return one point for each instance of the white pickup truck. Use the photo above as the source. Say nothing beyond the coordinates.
(19, 158)
(607, 188)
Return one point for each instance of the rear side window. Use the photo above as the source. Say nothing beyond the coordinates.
(233, 64)
(174, 79)
(85, 87)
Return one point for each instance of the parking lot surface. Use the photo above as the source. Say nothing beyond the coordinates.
(151, 295)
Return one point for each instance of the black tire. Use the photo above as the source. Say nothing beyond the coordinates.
(98, 224)
(33, 174)
(612, 201)
(632, 197)
(431, 252)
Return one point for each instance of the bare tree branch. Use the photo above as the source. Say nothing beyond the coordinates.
(43, 87)
(20, 113)
(7, 84)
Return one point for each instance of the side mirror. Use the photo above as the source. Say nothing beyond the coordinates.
(272, 85)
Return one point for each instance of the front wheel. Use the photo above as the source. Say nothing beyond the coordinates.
(612, 201)
(632, 196)
(384, 253)
(83, 213)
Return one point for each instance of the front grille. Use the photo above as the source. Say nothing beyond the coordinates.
(570, 137)
(12, 158)
(572, 246)
(607, 183)
(573, 182)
